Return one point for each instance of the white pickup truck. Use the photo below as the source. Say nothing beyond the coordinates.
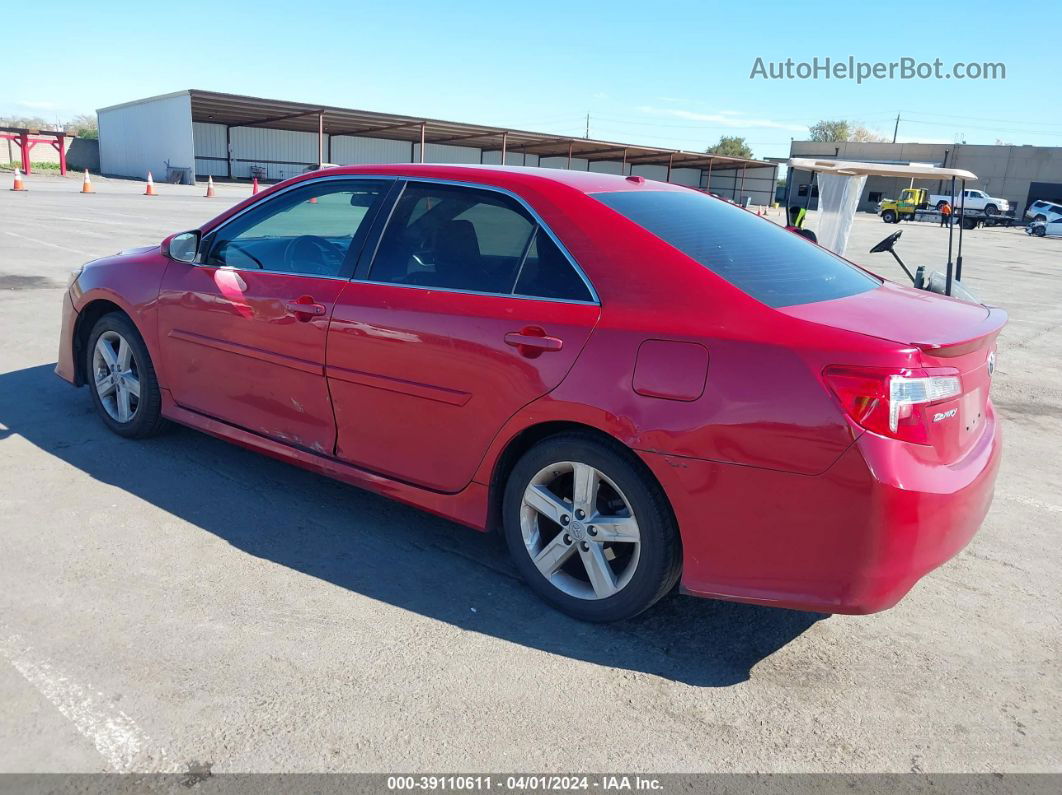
(975, 200)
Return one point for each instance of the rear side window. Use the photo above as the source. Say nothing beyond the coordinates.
(472, 240)
(453, 237)
(771, 264)
(546, 273)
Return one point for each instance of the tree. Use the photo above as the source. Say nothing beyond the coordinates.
(25, 122)
(83, 126)
(731, 146)
(829, 131)
(843, 130)
(861, 134)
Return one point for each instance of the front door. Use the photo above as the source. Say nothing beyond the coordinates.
(470, 310)
(243, 333)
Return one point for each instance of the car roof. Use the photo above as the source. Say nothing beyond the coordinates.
(511, 177)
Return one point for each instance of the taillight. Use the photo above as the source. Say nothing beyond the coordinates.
(892, 402)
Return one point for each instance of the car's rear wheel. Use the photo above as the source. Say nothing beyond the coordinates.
(589, 530)
(122, 378)
(1040, 217)
(1040, 231)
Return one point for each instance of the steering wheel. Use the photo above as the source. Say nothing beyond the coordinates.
(887, 243)
(311, 248)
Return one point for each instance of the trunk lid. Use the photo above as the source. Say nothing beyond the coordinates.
(953, 338)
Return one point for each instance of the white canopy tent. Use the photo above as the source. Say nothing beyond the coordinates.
(841, 183)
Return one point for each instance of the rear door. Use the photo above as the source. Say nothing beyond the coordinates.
(243, 332)
(469, 310)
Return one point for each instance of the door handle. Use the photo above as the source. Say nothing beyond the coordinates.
(533, 341)
(304, 308)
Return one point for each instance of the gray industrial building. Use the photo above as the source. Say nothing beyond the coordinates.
(1020, 174)
(193, 133)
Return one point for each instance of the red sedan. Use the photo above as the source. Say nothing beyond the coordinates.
(638, 384)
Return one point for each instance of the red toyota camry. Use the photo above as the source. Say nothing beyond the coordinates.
(638, 384)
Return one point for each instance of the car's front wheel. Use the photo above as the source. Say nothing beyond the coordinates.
(590, 531)
(122, 378)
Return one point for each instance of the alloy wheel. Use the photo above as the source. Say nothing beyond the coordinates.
(116, 376)
(580, 530)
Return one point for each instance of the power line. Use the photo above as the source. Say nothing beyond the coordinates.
(1046, 133)
(981, 118)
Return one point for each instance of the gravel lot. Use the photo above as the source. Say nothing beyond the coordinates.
(181, 602)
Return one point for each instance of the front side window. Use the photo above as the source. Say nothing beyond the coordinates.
(769, 263)
(472, 240)
(309, 230)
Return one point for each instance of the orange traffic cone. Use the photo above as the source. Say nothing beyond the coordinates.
(18, 181)
(150, 190)
(86, 186)
(254, 186)
(210, 188)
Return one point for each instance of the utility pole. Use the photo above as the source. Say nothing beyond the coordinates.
(587, 125)
(896, 129)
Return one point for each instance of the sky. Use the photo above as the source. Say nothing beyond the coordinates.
(673, 74)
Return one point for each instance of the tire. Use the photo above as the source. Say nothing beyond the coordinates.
(889, 217)
(1040, 217)
(1040, 231)
(111, 375)
(631, 573)
(991, 209)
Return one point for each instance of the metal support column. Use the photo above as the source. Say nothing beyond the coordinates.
(670, 162)
(423, 130)
(60, 145)
(951, 232)
(320, 139)
(962, 215)
(570, 145)
(505, 145)
(23, 145)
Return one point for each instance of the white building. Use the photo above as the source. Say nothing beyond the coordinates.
(194, 133)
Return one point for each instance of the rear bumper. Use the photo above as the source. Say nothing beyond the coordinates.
(65, 368)
(852, 540)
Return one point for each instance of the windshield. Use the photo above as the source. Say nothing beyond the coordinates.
(771, 264)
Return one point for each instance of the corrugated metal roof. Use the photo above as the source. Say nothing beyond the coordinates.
(244, 111)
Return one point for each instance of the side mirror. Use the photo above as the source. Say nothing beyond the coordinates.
(182, 247)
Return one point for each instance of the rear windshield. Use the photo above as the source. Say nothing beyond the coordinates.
(773, 265)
